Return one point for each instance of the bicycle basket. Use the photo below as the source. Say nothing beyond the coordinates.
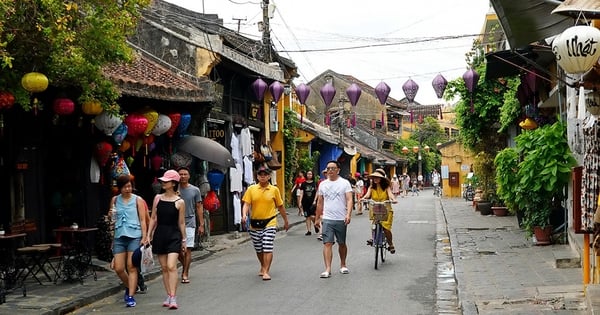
(379, 212)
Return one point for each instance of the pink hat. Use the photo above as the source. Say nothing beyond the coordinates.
(169, 176)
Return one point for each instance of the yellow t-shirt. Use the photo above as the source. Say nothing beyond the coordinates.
(263, 202)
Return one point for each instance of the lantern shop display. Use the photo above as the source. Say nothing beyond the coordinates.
(136, 124)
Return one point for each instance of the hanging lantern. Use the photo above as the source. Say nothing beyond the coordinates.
(410, 89)
(415, 149)
(184, 123)
(259, 87)
(181, 159)
(276, 89)
(426, 148)
(102, 153)
(382, 90)
(92, 107)
(125, 145)
(528, 124)
(577, 48)
(404, 150)
(136, 124)
(175, 119)
(120, 133)
(107, 123)
(152, 117)
(7, 100)
(34, 82)
(156, 162)
(471, 78)
(353, 92)
(302, 91)
(439, 84)
(163, 124)
(63, 106)
(327, 93)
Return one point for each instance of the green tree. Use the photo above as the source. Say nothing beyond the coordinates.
(68, 41)
(428, 133)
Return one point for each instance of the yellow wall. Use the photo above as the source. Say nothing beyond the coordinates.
(458, 159)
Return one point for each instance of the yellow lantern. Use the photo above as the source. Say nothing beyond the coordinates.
(92, 107)
(34, 82)
(152, 116)
(528, 124)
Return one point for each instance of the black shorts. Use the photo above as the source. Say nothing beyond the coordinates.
(309, 209)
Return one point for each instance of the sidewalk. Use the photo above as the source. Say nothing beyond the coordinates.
(64, 297)
(499, 271)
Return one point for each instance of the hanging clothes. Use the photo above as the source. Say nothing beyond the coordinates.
(591, 167)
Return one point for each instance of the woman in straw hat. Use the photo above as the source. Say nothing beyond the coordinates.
(380, 190)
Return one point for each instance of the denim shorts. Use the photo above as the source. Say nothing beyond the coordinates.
(125, 244)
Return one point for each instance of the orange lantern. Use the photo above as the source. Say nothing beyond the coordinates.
(415, 149)
(528, 124)
(34, 82)
(92, 107)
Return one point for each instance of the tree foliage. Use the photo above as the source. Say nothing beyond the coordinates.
(427, 133)
(68, 41)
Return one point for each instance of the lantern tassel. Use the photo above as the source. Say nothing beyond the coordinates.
(301, 113)
(581, 103)
(2, 125)
(441, 113)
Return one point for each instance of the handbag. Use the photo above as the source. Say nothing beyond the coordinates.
(147, 259)
(260, 223)
(266, 152)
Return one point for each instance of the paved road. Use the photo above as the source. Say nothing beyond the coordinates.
(226, 283)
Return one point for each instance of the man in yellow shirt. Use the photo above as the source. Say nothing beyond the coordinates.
(264, 200)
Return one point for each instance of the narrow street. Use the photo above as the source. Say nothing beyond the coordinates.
(226, 283)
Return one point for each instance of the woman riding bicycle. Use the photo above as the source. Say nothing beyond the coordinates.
(380, 190)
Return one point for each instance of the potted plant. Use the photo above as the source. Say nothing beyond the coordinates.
(507, 183)
(484, 170)
(498, 207)
(543, 174)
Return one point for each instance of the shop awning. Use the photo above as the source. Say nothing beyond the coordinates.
(506, 63)
(528, 21)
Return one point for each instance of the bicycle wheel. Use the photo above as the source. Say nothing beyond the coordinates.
(377, 243)
(384, 246)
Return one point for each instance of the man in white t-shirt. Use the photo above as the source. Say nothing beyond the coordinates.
(334, 208)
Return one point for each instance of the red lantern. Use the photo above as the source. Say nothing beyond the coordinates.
(175, 119)
(7, 100)
(136, 124)
(63, 106)
(102, 152)
(156, 162)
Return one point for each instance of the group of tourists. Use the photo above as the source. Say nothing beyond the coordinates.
(169, 226)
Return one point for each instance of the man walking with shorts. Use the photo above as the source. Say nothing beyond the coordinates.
(334, 209)
(193, 211)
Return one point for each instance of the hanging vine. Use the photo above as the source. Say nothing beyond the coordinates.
(290, 125)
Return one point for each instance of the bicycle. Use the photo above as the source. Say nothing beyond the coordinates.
(379, 211)
(469, 193)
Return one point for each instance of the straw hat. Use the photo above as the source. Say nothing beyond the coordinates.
(378, 173)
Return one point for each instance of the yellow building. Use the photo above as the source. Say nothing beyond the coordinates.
(457, 162)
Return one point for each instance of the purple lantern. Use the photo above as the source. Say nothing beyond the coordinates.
(260, 87)
(382, 90)
(410, 89)
(276, 89)
(302, 91)
(471, 77)
(353, 92)
(327, 93)
(439, 85)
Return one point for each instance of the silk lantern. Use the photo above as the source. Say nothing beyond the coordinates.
(156, 162)
(302, 92)
(34, 82)
(136, 124)
(576, 49)
(471, 77)
(63, 106)
(175, 119)
(276, 89)
(327, 93)
(152, 117)
(382, 90)
(107, 123)
(163, 124)
(92, 107)
(103, 152)
(353, 92)
(7, 100)
(410, 89)
(184, 123)
(125, 145)
(259, 87)
(120, 133)
(439, 84)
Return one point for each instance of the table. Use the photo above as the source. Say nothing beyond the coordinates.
(9, 270)
(76, 253)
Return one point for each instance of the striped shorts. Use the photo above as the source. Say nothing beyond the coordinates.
(263, 239)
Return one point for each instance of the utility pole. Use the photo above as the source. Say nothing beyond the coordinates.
(266, 36)
(239, 20)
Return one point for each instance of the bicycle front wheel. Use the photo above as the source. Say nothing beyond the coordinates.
(377, 243)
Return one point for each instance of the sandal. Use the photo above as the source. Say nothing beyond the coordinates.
(392, 249)
(185, 280)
